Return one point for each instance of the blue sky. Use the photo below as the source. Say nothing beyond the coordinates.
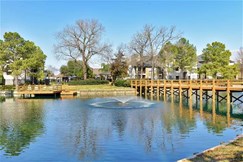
(201, 22)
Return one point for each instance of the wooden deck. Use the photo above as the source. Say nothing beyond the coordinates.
(39, 90)
(68, 92)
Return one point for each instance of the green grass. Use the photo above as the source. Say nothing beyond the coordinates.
(228, 152)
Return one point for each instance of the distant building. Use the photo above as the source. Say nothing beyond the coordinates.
(99, 74)
(138, 70)
(8, 79)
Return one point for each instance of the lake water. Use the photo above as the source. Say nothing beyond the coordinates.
(106, 129)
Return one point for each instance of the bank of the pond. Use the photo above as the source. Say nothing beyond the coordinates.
(232, 151)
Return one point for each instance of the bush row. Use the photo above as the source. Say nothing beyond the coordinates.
(1, 80)
(2, 98)
(6, 87)
(88, 82)
(122, 83)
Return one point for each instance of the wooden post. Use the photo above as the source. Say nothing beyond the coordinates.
(146, 88)
(157, 89)
(136, 86)
(180, 91)
(228, 114)
(151, 88)
(228, 92)
(164, 89)
(190, 90)
(213, 98)
(171, 90)
(217, 101)
(201, 98)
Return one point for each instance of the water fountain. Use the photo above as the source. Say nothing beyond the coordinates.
(129, 102)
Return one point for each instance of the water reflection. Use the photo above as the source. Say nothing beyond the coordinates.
(76, 131)
(159, 127)
(20, 123)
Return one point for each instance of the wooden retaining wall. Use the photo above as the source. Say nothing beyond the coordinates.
(107, 92)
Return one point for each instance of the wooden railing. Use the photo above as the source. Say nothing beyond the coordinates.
(188, 83)
(40, 88)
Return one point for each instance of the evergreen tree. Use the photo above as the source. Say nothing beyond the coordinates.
(166, 58)
(185, 56)
(119, 66)
(19, 55)
(216, 61)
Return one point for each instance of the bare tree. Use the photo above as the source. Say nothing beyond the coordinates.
(81, 41)
(157, 38)
(138, 47)
(240, 60)
(150, 41)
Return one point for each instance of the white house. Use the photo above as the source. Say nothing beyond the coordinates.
(9, 79)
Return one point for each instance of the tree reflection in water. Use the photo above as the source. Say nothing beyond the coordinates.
(20, 124)
(83, 132)
(91, 129)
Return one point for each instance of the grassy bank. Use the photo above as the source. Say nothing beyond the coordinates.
(232, 151)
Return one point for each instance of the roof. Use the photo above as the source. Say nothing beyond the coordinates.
(147, 61)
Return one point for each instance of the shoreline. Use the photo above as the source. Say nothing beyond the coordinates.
(214, 153)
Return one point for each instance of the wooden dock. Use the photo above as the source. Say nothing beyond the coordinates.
(39, 90)
(202, 90)
(188, 88)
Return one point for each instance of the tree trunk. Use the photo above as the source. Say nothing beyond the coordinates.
(141, 66)
(84, 68)
(16, 82)
(85, 71)
(25, 76)
(152, 76)
(165, 73)
(141, 72)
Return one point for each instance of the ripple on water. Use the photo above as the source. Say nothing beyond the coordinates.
(121, 103)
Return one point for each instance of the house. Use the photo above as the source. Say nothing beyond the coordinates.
(8, 79)
(99, 74)
(177, 73)
(143, 69)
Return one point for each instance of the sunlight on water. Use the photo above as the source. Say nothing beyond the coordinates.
(106, 129)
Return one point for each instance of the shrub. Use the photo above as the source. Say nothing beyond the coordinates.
(2, 98)
(122, 83)
(88, 82)
(7, 87)
(1, 80)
